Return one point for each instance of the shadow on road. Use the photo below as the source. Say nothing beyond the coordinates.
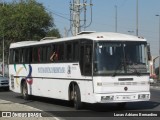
(65, 108)
(49, 101)
(132, 106)
(95, 110)
(4, 90)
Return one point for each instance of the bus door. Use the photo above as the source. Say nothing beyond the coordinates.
(86, 59)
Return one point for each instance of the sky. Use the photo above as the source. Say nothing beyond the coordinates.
(104, 17)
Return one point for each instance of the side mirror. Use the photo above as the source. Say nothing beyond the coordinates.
(148, 52)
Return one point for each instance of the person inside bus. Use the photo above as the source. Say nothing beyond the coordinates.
(54, 56)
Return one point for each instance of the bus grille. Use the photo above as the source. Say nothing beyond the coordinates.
(125, 83)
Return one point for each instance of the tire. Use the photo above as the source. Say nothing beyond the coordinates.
(6, 88)
(25, 91)
(77, 98)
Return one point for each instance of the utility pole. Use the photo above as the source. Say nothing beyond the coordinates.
(76, 17)
(76, 8)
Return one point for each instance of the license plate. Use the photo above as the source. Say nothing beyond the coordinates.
(126, 97)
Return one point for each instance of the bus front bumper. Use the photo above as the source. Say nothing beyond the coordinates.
(122, 97)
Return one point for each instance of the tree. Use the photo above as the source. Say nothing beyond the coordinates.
(54, 32)
(24, 20)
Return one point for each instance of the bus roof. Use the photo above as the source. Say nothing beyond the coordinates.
(95, 36)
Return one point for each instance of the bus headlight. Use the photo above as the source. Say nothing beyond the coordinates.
(107, 98)
(143, 96)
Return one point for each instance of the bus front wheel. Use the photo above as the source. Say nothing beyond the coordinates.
(77, 98)
(25, 91)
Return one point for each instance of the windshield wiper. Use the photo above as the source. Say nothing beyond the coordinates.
(125, 65)
(135, 70)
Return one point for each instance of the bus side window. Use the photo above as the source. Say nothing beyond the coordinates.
(69, 52)
(54, 53)
(82, 59)
(75, 51)
(11, 56)
(86, 59)
(49, 52)
(30, 55)
(40, 54)
(22, 56)
(35, 56)
(16, 56)
(26, 56)
(88, 54)
(44, 54)
(61, 52)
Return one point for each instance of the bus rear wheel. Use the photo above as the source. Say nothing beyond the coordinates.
(77, 98)
(25, 91)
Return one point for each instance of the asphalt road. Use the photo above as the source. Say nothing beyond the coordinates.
(90, 112)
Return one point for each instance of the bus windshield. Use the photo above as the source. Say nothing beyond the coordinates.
(120, 58)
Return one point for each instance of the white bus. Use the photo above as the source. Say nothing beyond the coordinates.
(97, 67)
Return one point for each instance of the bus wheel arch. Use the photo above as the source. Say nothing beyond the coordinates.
(21, 87)
(71, 90)
(75, 95)
(24, 89)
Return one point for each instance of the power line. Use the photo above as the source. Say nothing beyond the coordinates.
(58, 14)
